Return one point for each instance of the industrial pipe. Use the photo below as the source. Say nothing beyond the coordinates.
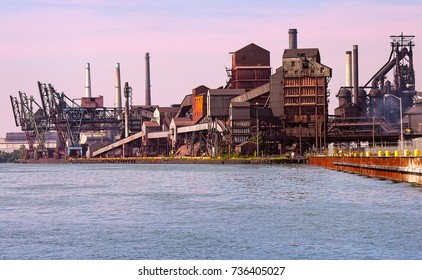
(147, 81)
(348, 82)
(118, 102)
(292, 38)
(355, 75)
(127, 95)
(387, 67)
(87, 80)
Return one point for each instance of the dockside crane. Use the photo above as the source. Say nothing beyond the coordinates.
(53, 103)
(21, 121)
(16, 111)
(70, 119)
(35, 119)
(62, 114)
(29, 116)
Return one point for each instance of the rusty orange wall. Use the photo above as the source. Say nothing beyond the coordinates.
(322, 161)
(198, 108)
(328, 162)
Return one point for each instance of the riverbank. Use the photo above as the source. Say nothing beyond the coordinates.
(188, 160)
(401, 169)
(168, 160)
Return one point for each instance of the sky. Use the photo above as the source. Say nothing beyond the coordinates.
(189, 42)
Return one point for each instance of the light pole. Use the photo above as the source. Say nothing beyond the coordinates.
(257, 131)
(401, 119)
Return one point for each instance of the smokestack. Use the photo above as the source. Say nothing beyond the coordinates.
(292, 38)
(348, 69)
(147, 81)
(87, 81)
(127, 92)
(355, 74)
(118, 88)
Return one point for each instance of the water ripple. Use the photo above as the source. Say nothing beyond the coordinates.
(204, 212)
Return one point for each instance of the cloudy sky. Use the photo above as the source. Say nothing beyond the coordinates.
(188, 41)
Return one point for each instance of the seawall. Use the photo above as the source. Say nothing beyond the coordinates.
(403, 169)
(187, 160)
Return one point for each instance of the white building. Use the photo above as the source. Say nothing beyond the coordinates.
(14, 140)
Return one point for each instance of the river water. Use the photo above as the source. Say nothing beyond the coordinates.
(170, 211)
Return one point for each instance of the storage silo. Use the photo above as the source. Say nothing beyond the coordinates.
(344, 97)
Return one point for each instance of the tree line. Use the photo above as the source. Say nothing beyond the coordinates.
(11, 157)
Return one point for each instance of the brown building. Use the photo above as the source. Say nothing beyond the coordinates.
(250, 68)
(92, 102)
(299, 96)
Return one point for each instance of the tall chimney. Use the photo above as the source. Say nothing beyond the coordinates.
(292, 38)
(348, 69)
(355, 74)
(147, 81)
(118, 88)
(87, 81)
(127, 92)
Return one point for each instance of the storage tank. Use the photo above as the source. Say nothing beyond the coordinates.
(344, 97)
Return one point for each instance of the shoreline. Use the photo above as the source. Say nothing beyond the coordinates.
(167, 160)
(186, 160)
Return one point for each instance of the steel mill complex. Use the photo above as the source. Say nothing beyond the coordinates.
(257, 113)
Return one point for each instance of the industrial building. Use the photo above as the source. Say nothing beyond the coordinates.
(379, 110)
(16, 140)
(254, 112)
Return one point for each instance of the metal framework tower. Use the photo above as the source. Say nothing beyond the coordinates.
(61, 114)
(400, 63)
